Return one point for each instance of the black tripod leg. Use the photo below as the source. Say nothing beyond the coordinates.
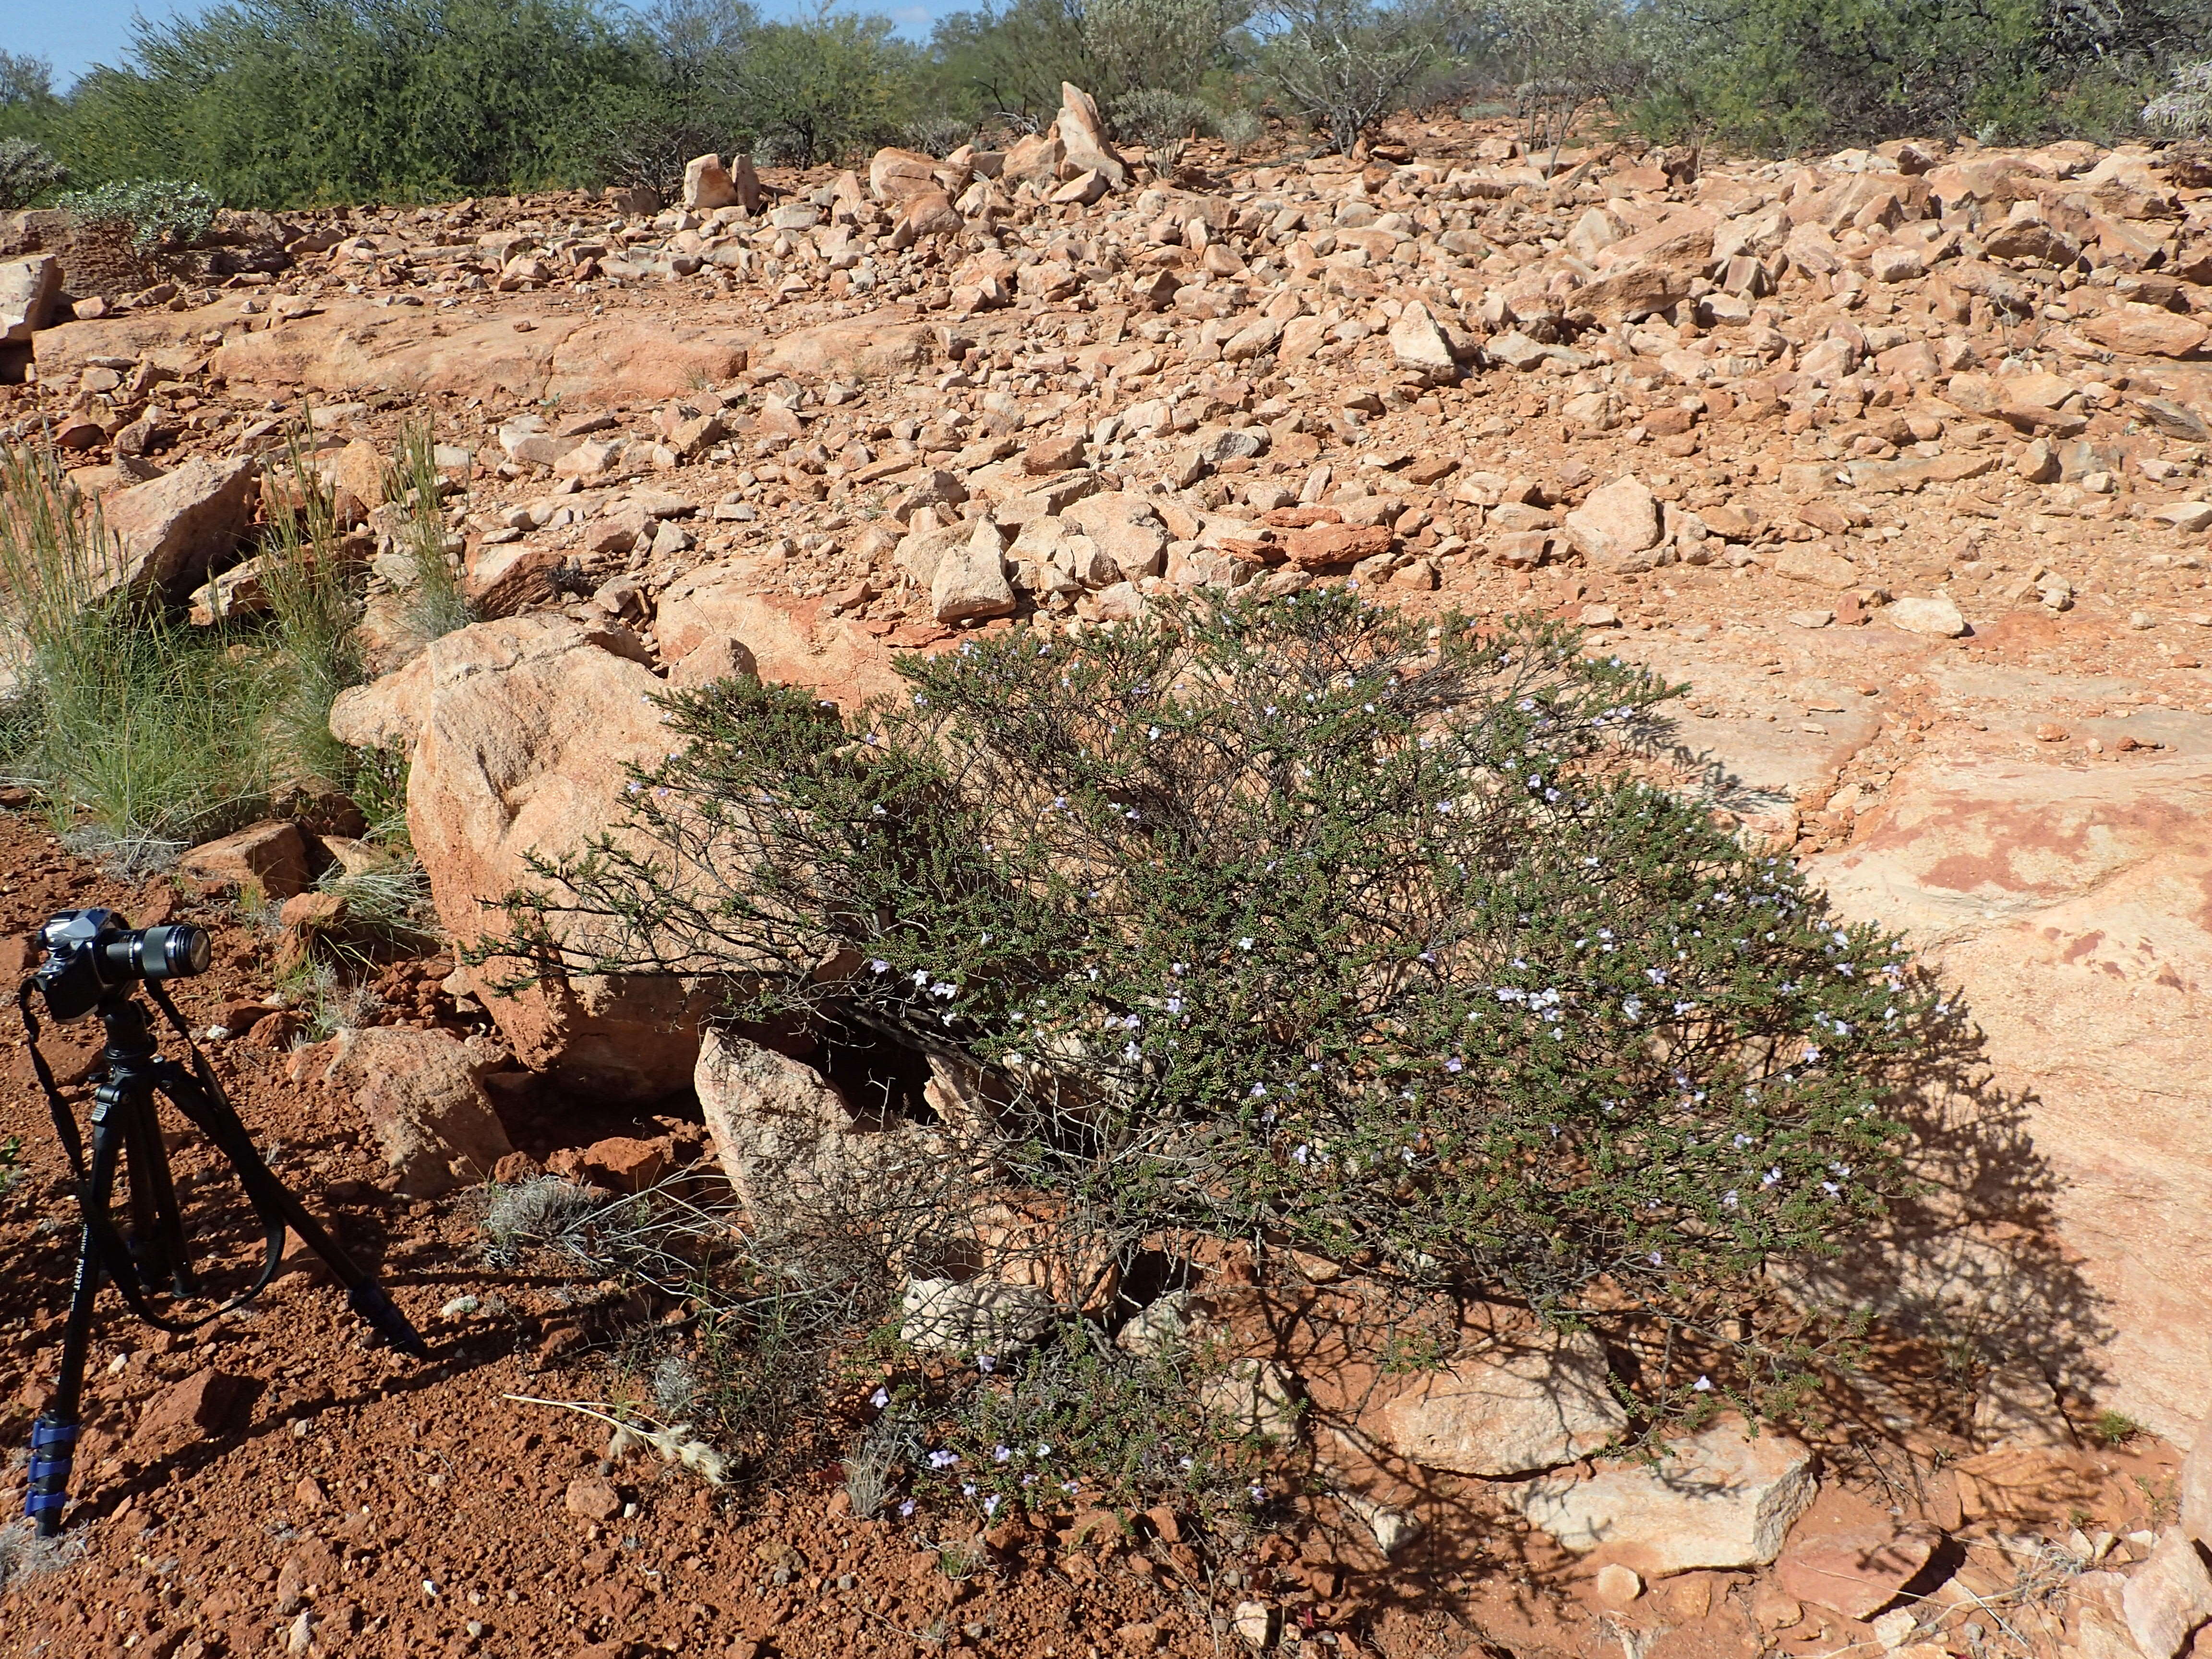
(272, 1197)
(53, 1433)
(157, 1225)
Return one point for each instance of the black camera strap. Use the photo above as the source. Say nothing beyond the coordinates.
(65, 1129)
(221, 1125)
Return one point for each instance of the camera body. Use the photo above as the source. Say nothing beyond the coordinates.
(92, 954)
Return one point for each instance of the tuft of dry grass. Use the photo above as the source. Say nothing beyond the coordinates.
(672, 1443)
(24, 1554)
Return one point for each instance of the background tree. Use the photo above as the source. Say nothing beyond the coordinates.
(274, 101)
(689, 98)
(1344, 64)
(1790, 74)
(1007, 64)
(827, 87)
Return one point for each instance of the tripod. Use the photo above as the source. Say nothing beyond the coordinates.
(152, 1253)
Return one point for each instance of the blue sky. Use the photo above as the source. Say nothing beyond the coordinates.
(75, 34)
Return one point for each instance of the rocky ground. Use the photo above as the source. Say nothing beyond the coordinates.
(1897, 461)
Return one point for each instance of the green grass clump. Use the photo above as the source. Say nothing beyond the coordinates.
(436, 606)
(151, 729)
(145, 733)
(2113, 1428)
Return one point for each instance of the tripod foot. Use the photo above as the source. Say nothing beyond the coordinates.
(367, 1299)
(53, 1449)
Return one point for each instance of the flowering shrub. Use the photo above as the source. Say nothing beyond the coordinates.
(1297, 920)
(1073, 1424)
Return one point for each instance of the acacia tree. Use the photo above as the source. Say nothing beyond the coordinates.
(1344, 64)
(825, 86)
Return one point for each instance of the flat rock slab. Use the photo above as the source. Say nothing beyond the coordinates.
(1719, 1500)
(352, 346)
(1858, 1571)
(790, 641)
(2068, 901)
(1509, 1410)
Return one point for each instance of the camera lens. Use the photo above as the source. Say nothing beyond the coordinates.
(173, 952)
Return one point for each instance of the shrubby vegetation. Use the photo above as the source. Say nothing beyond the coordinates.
(1288, 920)
(2184, 109)
(1296, 921)
(27, 173)
(156, 213)
(271, 103)
(1785, 73)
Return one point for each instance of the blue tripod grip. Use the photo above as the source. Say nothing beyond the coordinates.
(53, 1449)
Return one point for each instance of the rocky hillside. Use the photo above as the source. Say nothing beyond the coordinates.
(1896, 461)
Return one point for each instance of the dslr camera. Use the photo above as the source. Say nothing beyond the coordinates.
(90, 954)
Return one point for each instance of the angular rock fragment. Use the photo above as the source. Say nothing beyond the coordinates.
(421, 1095)
(708, 184)
(1720, 1498)
(2169, 1597)
(1618, 526)
(1937, 617)
(1083, 138)
(27, 288)
(262, 863)
(1519, 1407)
(970, 579)
(170, 534)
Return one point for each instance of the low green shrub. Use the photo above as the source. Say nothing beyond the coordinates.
(27, 173)
(1239, 129)
(765, 1369)
(939, 134)
(1789, 76)
(1075, 1424)
(2183, 110)
(1159, 118)
(1296, 920)
(162, 215)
